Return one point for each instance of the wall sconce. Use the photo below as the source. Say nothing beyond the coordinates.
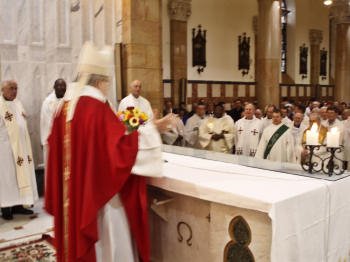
(303, 56)
(244, 54)
(199, 49)
(323, 63)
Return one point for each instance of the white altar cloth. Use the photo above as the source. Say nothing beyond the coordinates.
(310, 217)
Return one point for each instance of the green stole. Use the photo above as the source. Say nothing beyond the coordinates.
(279, 132)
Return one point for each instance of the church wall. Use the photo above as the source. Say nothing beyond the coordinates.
(305, 15)
(224, 21)
(41, 40)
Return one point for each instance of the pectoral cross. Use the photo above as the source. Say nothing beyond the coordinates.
(29, 159)
(254, 132)
(8, 116)
(240, 130)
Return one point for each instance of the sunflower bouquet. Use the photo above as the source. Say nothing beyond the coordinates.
(132, 117)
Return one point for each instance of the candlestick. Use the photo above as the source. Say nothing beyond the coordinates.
(333, 137)
(312, 136)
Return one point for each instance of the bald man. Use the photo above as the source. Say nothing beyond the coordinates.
(17, 183)
(148, 160)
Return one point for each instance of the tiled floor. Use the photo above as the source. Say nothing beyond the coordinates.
(24, 228)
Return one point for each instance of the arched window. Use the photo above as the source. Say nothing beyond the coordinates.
(284, 20)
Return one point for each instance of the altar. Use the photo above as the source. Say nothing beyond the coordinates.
(208, 210)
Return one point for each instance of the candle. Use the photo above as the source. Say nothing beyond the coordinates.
(312, 136)
(333, 137)
(210, 126)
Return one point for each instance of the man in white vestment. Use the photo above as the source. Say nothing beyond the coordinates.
(174, 135)
(276, 142)
(193, 124)
(346, 140)
(297, 129)
(267, 120)
(248, 132)
(285, 119)
(217, 133)
(48, 110)
(17, 184)
(323, 115)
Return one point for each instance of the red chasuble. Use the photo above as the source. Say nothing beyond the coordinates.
(89, 162)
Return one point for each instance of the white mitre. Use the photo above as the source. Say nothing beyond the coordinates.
(91, 61)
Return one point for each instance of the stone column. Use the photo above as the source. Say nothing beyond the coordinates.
(316, 38)
(268, 52)
(142, 47)
(340, 12)
(179, 11)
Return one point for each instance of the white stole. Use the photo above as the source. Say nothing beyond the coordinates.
(22, 162)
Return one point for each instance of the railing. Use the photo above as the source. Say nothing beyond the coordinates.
(302, 92)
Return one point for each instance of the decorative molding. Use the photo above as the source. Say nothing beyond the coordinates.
(63, 23)
(340, 12)
(37, 22)
(179, 9)
(316, 36)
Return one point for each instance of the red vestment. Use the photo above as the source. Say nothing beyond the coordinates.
(100, 160)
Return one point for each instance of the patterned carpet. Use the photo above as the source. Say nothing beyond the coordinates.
(40, 250)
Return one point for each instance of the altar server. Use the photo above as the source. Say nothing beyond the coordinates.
(276, 142)
(17, 176)
(248, 132)
(217, 133)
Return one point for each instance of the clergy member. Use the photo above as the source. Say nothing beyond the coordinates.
(276, 142)
(89, 165)
(217, 133)
(248, 132)
(17, 175)
(297, 129)
(48, 110)
(193, 124)
(267, 120)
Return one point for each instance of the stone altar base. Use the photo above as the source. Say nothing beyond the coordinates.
(185, 229)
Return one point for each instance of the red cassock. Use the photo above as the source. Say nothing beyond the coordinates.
(95, 156)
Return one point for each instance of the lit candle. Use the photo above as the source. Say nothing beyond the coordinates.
(333, 137)
(312, 136)
(210, 126)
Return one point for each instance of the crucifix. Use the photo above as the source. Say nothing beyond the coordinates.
(240, 130)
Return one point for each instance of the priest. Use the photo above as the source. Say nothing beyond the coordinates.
(17, 175)
(89, 173)
(193, 124)
(217, 133)
(276, 142)
(48, 110)
(248, 132)
(297, 129)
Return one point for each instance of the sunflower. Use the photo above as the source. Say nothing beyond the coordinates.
(134, 121)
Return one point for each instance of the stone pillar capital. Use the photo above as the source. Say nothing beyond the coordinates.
(316, 36)
(179, 9)
(340, 12)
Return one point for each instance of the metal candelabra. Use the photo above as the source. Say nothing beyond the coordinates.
(330, 165)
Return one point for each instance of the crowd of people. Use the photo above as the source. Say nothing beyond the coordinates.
(274, 133)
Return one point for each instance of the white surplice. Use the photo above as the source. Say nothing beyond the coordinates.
(282, 150)
(266, 122)
(219, 125)
(346, 141)
(192, 130)
(248, 133)
(297, 133)
(170, 137)
(115, 241)
(47, 113)
(9, 191)
(148, 159)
